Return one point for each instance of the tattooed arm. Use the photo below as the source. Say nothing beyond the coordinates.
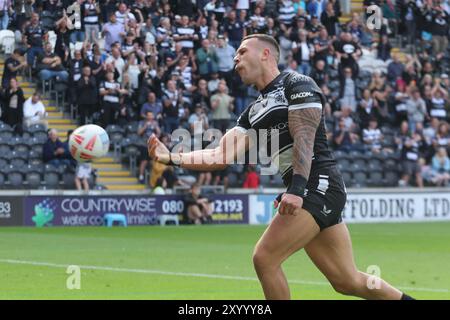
(303, 124)
(304, 116)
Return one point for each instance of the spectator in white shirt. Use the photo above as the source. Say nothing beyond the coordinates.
(34, 111)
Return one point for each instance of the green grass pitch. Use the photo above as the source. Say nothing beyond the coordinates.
(205, 262)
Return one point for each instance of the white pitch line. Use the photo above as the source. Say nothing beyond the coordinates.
(188, 274)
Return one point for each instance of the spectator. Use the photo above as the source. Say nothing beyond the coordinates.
(87, 95)
(13, 101)
(372, 136)
(172, 104)
(13, 64)
(440, 168)
(207, 59)
(395, 69)
(344, 139)
(439, 30)
(198, 207)
(185, 34)
(50, 66)
(319, 74)
(82, 175)
(123, 15)
(348, 92)
(410, 146)
(34, 111)
(33, 38)
(160, 186)
(62, 45)
(77, 32)
(198, 121)
(53, 152)
(251, 178)
(147, 127)
(23, 10)
(347, 52)
(201, 95)
(225, 53)
(221, 105)
(330, 20)
(91, 11)
(417, 109)
(110, 91)
(113, 31)
(152, 105)
(442, 138)
(384, 48)
(303, 53)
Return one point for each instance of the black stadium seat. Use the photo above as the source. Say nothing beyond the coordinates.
(33, 179)
(51, 180)
(15, 179)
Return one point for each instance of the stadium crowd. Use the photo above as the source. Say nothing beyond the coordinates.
(166, 64)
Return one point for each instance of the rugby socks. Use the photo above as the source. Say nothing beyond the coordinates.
(406, 297)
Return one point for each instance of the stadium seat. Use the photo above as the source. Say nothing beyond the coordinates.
(15, 179)
(338, 155)
(391, 178)
(5, 149)
(36, 128)
(69, 181)
(51, 180)
(116, 135)
(347, 176)
(33, 179)
(390, 164)
(3, 162)
(375, 165)
(132, 127)
(359, 179)
(344, 163)
(2, 180)
(376, 179)
(40, 137)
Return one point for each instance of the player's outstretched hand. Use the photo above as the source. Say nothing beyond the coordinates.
(290, 204)
(157, 150)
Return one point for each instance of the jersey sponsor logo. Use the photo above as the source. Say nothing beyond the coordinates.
(300, 95)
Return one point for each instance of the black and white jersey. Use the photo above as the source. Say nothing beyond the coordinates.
(90, 14)
(288, 91)
(183, 31)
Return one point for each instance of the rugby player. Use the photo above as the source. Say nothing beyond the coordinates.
(309, 212)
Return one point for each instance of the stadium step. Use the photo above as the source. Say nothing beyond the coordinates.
(110, 171)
